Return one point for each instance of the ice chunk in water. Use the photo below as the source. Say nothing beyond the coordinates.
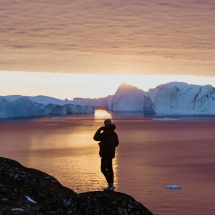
(173, 187)
(55, 118)
(164, 119)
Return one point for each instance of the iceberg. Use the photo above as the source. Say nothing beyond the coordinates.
(174, 98)
(24, 107)
(55, 118)
(130, 98)
(127, 98)
(165, 119)
(182, 98)
(94, 102)
(45, 100)
(3, 107)
(173, 187)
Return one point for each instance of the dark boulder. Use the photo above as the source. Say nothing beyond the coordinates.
(17, 183)
(30, 191)
(95, 203)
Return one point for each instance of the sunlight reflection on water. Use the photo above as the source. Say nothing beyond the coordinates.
(102, 113)
(151, 155)
(72, 151)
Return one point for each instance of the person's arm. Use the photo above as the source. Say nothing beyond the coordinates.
(98, 136)
(117, 140)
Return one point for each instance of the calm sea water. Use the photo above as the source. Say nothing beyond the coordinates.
(153, 152)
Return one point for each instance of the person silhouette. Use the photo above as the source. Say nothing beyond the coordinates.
(108, 142)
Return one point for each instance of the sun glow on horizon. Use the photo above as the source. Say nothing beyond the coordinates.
(70, 85)
(102, 113)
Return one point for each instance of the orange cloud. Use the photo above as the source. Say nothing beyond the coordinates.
(108, 36)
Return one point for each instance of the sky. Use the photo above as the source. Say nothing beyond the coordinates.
(87, 48)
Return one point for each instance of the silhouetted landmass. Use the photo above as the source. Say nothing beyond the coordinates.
(30, 191)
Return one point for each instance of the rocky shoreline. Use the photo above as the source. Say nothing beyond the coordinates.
(30, 191)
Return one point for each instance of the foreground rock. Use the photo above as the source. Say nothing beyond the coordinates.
(24, 190)
(29, 191)
(95, 203)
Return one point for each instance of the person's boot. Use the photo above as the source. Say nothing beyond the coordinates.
(106, 189)
(109, 188)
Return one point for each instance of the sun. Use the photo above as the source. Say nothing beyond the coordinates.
(102, 113)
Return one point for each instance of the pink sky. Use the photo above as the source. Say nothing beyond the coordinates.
(166, 37)
(97, 36)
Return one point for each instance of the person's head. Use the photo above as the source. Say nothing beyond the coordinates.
(107, 122)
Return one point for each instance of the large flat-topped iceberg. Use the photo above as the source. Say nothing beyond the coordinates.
(24, 107)
(182, 98)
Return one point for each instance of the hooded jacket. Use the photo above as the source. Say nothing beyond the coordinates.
(108, 140)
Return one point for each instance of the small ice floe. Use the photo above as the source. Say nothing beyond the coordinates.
(91, 124)
(17, 209)
(55, 118)
(34, 120)
(30, 199)
(164, 119)
(113, 121)
(173, 187)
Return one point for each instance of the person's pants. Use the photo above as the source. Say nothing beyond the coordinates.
(107, 169)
